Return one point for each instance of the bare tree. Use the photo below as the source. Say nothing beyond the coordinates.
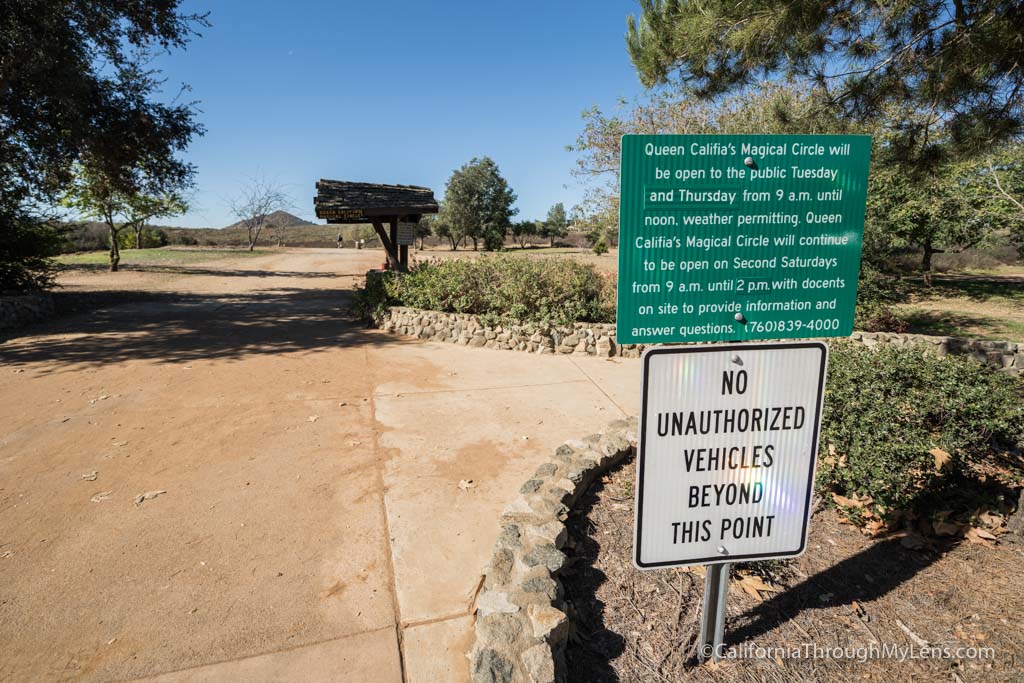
(257, 200)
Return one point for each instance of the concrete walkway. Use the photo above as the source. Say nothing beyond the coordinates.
(313, 525)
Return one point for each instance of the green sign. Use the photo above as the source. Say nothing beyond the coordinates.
(736, 237)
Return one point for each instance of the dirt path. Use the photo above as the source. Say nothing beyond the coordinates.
(311, 525)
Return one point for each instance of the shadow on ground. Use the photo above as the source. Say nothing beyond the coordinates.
(594, 644)
(212, 272)
(179, 327)
(870, 574)
(976, 287)
(950, 324)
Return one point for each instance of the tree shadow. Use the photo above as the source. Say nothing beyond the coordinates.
(949, 324)
(979, 288)
(178, 327)
(593, 644)
(870, 574)
(213, 272)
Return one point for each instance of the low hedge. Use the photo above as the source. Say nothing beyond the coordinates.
(498, 289)
(891, 416)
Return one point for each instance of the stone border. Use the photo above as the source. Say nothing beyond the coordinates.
(521, 621)
(598, 339)
(24, 309)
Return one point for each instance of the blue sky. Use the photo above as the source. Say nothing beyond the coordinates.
(397, 92)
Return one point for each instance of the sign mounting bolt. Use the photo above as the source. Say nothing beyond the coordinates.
(749, 162)
(722, 550)
(736, 359)
(739, 318)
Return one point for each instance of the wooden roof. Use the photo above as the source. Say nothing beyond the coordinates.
(339, 200)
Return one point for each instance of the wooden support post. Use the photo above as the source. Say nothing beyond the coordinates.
(401, 251)
(388, 242)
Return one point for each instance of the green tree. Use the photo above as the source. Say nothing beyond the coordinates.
(424, 229)
(92, 194)
(922, 66)
(478, 204)
(1001, 180)
(556, 224)
(522, 231)
(73, 90)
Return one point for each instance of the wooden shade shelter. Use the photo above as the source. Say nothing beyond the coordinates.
(340, 201)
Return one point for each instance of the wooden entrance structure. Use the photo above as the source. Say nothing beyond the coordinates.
(344, 202)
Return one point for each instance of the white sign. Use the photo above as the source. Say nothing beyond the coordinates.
(728, 443)
(406, 233)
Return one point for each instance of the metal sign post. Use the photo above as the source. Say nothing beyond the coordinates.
(712, 620)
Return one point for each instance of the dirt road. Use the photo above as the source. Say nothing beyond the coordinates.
(304, 518)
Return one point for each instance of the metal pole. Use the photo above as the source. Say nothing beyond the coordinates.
(712, 623)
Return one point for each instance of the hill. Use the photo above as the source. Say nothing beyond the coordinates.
(282, 218)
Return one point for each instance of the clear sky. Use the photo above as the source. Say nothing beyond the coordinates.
(397, 92)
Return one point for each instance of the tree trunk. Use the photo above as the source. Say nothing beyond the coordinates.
(926, 258)
(138, 237)
(115, 253)
(552, 242)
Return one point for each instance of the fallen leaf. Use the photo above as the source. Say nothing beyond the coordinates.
(148, 495)
(990, 519)
(753, 585)
(874, 528)
(6, 554)
(100, 497)
(980, 537)
(942, 459)
(91, 476)
(846, 502)
(312, 418)
(466, 484)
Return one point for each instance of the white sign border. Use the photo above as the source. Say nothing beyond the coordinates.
(641, 444)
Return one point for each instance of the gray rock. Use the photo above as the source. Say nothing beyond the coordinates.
(542, 584)
(545, 470)
(491, 667)
(549, 623)
(1015, 522)
(539, 664)
(494, 602)
(509, 537)
(545, 555)
(499, 628)
(531, 486)
(499, 571)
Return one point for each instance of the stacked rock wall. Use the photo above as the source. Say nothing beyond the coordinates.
(598, 339)
(23, 309)
(521, 622)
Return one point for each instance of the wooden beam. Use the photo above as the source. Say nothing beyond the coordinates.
(388, 243)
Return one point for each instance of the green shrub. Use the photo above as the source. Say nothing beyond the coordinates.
(876, 294)
(498, 289)
(886, 408)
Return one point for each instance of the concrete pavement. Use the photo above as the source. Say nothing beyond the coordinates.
(313, 525)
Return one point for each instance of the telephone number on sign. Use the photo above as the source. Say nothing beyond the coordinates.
(821, 325)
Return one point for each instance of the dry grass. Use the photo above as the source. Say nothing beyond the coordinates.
(847, 591)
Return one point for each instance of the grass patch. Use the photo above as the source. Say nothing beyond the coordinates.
(989, 306)
(151, 256)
